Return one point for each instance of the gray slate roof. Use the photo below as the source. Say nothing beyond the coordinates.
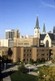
(52, 36)
(42, 36)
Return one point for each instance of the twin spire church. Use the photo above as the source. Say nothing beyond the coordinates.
(40, 46)
(46, 39)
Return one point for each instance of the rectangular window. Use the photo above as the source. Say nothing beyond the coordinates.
(27, 54)
(24, 50)
(24, 55)
(27, 59)
(42, 54)
(23, 59)
(30, 50)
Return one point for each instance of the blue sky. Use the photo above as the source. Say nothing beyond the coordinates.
(21, 14)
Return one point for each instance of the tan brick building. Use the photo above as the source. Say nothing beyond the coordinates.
(38, 47)
(25, 54)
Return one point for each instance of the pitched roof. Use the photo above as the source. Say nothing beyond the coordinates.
(52, 36)
(42, 36)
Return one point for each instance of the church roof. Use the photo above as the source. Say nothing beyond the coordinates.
(42, 36)
(52, 36)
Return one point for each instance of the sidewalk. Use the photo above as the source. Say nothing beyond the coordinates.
(7, 78)
(15, 68)
(33, 73)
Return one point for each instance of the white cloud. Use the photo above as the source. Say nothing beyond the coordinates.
(48, 4)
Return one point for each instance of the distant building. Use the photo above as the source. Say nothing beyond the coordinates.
(4, 43)
(54, 29)
(9, 34)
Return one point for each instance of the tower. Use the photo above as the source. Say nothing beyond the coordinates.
(44, 31)
(54, 29)
(36, 29)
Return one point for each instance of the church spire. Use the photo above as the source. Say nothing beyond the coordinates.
(44, 31)
(36, 29)
(37, 23)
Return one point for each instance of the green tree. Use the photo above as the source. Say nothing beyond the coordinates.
(47, 73)
(22, 68)
(10, 52)
(53, 58)
(0, 63)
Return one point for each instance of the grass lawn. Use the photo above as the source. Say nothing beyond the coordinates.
(17, 76)
(46, 73)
